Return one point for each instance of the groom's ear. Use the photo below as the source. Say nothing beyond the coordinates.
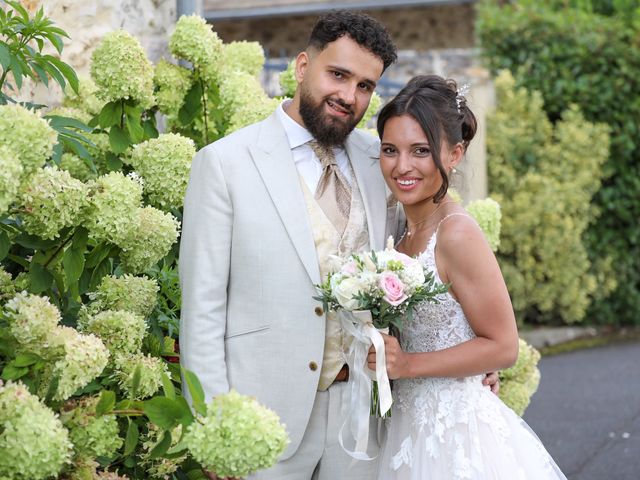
(302, 63)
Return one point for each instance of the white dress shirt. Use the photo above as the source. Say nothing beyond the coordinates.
(305, 159)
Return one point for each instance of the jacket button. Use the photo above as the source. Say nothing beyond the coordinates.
(313, 366)
(319, 311)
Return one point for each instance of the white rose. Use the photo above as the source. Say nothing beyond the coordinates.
(346, 290)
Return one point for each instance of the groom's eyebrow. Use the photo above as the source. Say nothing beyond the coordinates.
(349, 73)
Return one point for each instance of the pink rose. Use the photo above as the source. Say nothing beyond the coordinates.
(393, 288)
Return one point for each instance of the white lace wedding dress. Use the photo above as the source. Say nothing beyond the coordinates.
(455, 428)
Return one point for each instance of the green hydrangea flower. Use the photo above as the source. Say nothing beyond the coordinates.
(7, 288)
(151, 371)
(31, 319)
(10, 173)
(172, 82)
(252, 113)
(114, 202)
(237, 437)
(159, 468)
(150, 238)
(84, 358)
(288, 81)
(52, 200)
(133, 294)
(238, 89)
(487, 213)
(519, 382)
(92, 436)
(86, 99)
(121, 70)
(164, 164)
(76, 167)
(243, 56)
(374, 105)
(39, 445)
(121, 331)
(28, 135)
(194, 40)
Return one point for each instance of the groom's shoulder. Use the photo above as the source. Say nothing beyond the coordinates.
(237, 141)
(365, 137)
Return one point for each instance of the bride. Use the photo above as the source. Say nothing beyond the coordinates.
(445, 424)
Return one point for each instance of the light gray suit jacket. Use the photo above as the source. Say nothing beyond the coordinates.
(248, 267)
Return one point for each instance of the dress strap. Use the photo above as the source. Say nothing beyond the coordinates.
(435, 235)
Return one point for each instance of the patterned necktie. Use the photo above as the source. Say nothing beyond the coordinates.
(333, 192)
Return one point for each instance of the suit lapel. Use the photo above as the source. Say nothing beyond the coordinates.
(364, 161)
(272, 157)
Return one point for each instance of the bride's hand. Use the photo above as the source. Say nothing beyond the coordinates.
(397, 359)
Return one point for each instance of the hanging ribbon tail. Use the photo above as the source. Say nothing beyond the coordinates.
(359, 325)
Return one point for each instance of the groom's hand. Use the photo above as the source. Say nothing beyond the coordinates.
(492, 380)
(397, 359)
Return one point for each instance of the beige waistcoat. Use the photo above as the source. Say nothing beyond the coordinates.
(329, 242)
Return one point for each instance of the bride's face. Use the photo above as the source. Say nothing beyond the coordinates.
(406, 161)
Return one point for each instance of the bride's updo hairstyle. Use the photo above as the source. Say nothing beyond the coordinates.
(439, 108)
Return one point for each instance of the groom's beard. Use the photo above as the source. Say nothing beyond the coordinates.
(327, 130)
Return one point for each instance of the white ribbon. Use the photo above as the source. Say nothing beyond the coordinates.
(359, 325)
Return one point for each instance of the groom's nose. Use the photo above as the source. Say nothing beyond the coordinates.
(348, 93)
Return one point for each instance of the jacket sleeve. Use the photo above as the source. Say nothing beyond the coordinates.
(205, 255)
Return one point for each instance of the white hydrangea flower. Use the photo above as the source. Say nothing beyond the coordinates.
(31, 319)
(114, 200)
(164, 163)
(194, 40)
(39, 445)
(121, 70)
(488, 215)
(243, 56)
(28, 135)
(10, 173)
(151, 234)
(237, 437)
(151, 370)
(173, 82)
(84, 358)
(133, 294)
(121, 331)
(52, 200)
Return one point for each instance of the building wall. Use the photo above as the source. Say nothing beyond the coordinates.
(418, 28)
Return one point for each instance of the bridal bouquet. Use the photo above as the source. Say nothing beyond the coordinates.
(372, 291)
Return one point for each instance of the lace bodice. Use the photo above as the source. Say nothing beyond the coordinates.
(434, 326)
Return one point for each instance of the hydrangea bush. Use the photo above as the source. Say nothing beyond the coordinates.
(519, 382)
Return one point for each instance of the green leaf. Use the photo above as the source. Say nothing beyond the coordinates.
(25, 359)
(66, 70)
(150, 130)
(53, 388)
(58, 121)
(40, 278)
(11, 372)
(118, 139)
(98, 254)
(5, 56)
(36, 243)
(41, 73)
(55, 73)
(135, 382)
(5, 244)
(110, 115)
(196, 391)
(16, 69)
(131, 440)
(164, 412)
(106, 403)
(73, 263)
(80, 238)
(113, 162)
(167, 387)
(136, 132)
(104, 268)
(161, 448)
(192, 104)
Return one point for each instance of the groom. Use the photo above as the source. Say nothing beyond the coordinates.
(265, 208)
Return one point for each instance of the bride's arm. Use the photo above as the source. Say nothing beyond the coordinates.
(466, 261)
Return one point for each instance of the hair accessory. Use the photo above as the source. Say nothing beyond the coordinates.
(460, 93)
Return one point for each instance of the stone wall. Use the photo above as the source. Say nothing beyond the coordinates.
(418, 28)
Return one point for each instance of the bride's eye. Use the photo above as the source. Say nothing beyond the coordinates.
(422, 151)
(388, 150)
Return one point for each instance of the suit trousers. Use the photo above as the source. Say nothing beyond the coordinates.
(320, 456)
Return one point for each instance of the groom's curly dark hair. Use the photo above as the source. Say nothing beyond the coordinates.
(363, 29)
